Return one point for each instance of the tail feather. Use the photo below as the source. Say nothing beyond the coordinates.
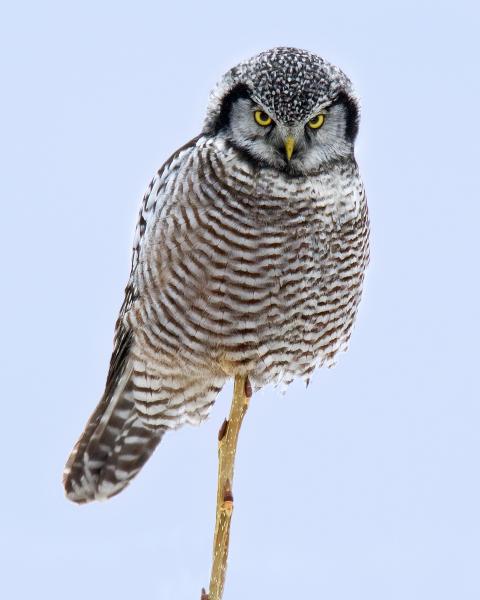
(113, 448)
(115, 443)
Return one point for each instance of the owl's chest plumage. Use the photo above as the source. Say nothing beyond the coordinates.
(245, 269)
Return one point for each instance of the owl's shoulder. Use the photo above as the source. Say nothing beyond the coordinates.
(155, 193)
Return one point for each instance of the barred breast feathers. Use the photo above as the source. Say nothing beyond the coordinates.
(248, 263)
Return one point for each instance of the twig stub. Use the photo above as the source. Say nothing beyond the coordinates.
(223, 430)
(228, 496)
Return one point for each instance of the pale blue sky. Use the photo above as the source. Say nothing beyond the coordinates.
(373, 492)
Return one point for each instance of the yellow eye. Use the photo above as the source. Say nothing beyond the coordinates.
(316, 122)
(262, 118)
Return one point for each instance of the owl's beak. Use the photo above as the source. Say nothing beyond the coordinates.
(289, 143)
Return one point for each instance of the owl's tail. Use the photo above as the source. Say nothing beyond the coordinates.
(111, 451)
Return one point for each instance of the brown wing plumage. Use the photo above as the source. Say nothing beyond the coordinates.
(116, 443)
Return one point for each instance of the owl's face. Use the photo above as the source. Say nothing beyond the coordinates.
(287, 109)
(299, 147)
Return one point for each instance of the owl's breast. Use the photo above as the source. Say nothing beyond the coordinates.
(252, 272)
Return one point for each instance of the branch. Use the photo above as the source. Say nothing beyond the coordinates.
(227, 447)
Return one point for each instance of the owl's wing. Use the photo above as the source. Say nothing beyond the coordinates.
(115, 443)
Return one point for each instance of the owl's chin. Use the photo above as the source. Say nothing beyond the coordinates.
(274, 160)
(291, 168)
(304, 164)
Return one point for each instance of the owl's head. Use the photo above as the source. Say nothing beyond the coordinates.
(287, 109)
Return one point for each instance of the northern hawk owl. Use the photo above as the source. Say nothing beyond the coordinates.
(249, 258)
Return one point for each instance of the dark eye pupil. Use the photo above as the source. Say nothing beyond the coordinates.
(263, 116)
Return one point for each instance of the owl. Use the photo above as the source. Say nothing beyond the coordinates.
(249, 258)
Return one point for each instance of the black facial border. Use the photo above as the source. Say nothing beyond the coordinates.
(353, 117)
(239, 91)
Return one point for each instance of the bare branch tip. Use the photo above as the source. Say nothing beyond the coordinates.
(227, 445)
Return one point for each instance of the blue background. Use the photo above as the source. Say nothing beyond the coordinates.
(372, 491)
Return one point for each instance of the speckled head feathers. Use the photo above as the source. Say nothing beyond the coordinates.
(291, 83)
